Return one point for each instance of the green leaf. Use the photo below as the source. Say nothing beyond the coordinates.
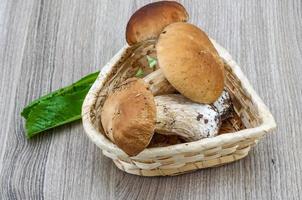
(73, 87)
(140, 73)
(57, 108)
(151, 61)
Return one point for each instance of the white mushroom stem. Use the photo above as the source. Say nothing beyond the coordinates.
(177, 115)
(158, 84)
(224, 105)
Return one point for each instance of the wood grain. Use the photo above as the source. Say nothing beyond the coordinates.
(45, 45)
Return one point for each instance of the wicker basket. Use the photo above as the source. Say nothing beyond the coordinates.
(185, 157)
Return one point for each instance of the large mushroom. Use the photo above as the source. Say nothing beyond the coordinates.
(190, 62)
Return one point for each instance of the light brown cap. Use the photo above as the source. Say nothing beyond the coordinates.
(190, 62)
(148, 21)
(128, 116)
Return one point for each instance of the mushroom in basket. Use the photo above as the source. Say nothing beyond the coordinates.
(189, 64)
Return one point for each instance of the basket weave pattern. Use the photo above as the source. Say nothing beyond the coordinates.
(179, 158)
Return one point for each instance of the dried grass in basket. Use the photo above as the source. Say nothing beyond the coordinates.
(233, 145)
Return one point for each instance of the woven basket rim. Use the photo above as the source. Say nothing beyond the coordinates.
(268, 122)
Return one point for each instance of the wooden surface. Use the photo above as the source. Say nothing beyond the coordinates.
(45, 45)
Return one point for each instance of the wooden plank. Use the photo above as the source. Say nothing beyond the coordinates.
(45, 45)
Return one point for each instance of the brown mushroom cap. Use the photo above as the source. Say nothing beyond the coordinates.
(128, 116)
(190, 62)
(148, 21)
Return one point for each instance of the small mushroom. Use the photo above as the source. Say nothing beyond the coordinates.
(177, 115)
(128, 116)
(190, 62)
(148, 21)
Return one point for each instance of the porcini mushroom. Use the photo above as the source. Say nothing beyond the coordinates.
(177, 115)
(128, 116)
(190, 62)
(148, 21)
